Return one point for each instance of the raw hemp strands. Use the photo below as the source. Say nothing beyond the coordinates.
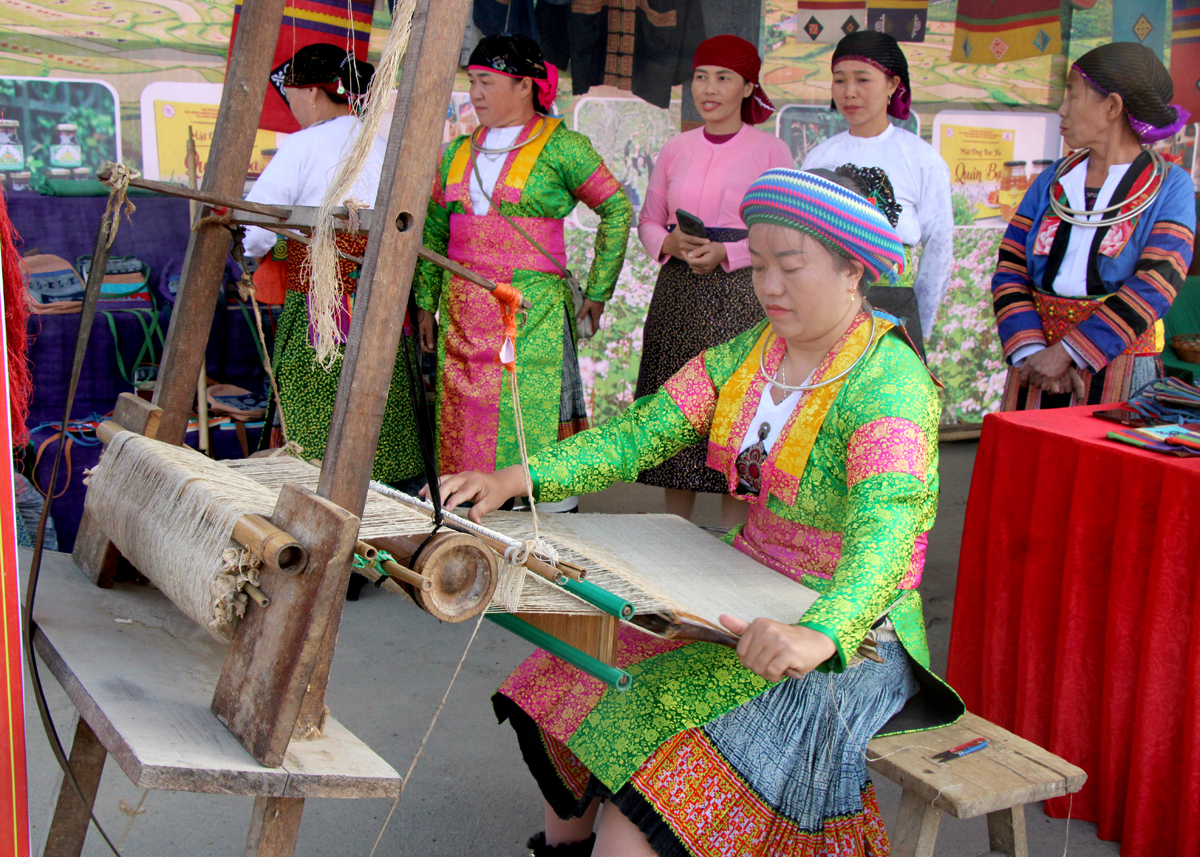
(323, 258)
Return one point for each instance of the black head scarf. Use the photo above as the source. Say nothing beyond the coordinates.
(1135, 73)
(518, 56)
(883, 52)
(327, 67)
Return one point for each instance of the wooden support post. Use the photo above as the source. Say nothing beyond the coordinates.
(1006, 831)
(228, 159)
(274, 650)
(426, 80)
(69, 821)
(274, 826)
(917, 827)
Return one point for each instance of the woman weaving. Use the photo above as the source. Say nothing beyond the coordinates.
(1100, 244)
(824, 422)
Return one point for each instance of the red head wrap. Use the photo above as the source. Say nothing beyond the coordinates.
(740, 56)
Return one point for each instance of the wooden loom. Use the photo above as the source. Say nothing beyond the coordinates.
(271, 683)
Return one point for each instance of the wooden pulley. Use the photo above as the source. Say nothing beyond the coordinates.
(458, 573)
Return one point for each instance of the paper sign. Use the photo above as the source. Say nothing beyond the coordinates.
(172, 120)
(976, 159)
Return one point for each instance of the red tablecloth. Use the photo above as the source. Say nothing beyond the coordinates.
(1077, 618)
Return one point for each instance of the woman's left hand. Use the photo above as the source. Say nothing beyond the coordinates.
(773, 650)
(706, 258)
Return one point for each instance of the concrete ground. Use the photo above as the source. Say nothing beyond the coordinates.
(470, 795)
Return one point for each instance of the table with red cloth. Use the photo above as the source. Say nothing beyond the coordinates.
(1077, 617)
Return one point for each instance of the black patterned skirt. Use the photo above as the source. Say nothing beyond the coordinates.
(689, 314)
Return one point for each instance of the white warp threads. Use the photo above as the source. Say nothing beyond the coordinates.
(171, 512)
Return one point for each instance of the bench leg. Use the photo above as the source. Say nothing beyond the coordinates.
(69, 820)
(274, 826)
(1006, 831)
(917, 827)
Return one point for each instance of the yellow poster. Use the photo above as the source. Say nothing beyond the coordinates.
(976, 158)
(172, 119)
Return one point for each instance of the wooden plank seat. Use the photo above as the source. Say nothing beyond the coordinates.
(997, 781)
(142, 674)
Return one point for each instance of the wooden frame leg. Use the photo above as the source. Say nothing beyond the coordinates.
(274, 826)
(69, 819)
(1006, 831)
(916, 828)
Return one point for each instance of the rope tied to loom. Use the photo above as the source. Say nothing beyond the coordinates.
(119, 176)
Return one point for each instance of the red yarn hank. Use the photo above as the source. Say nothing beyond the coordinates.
(16, 313)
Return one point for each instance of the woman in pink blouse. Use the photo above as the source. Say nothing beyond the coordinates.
(704, 296)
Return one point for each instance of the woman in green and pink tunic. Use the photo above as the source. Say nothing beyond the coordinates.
(535, 171)
(823, 420)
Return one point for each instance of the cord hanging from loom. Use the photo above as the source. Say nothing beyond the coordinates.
(118, 179)
(509, 299)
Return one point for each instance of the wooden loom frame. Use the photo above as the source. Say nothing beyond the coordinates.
(273, 681)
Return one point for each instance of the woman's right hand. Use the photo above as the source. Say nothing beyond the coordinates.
(425, 325)
(678, 245)
(487, 491)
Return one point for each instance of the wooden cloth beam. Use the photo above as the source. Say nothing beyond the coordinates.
(225, 173)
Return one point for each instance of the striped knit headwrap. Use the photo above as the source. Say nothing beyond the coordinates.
(837, 217)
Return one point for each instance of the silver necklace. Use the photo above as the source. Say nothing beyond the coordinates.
(778, 384)
(1075, 217)
(500, 150)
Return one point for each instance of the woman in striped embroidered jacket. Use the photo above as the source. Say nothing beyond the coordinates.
(1101, 243)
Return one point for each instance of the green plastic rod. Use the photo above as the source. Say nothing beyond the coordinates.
(614, 677)
(599, 597)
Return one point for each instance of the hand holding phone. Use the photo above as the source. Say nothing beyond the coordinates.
(690, 224)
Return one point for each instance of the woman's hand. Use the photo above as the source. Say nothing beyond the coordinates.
(425, 326)
(679, 245)
(773, 650)
(593, 310)
(705, 259)
(488, 491)
(1048, 369)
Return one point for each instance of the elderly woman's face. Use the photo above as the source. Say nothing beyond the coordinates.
(1086, 114)
(803, 289)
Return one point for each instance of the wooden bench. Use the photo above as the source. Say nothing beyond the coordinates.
(997, 781)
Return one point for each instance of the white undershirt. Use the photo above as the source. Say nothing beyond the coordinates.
(774, 415)
(490, 165)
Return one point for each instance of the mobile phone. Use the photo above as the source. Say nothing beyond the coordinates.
(690, 224)
(1123, 417)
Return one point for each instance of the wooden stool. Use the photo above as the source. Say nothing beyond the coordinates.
(998, 780)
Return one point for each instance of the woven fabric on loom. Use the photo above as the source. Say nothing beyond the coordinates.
(986, 32)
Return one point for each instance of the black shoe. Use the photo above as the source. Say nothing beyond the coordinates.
(355, 586)
(537, 844)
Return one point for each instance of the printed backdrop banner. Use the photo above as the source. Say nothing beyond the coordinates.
(988, 32)
(827, 21)
(345, 24)
(903, 20)
(1185, 54)
(1144, 23)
